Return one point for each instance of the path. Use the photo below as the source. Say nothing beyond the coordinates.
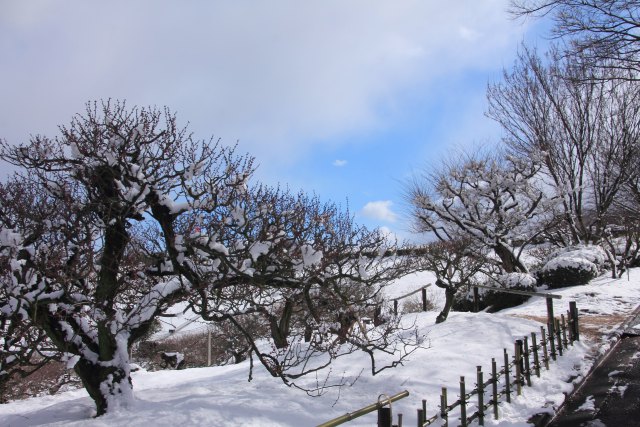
(610, 396)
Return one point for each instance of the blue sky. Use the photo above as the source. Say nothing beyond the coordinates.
(346, 99)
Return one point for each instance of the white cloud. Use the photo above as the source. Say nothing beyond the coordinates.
(380, 210)
(339, 163)
(280, 76)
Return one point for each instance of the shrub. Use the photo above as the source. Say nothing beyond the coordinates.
(496, 301)
(414, 304)
(517, 281)
(49, 379)
(591, 253)
(567, 271)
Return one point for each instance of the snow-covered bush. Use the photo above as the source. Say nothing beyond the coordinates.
(567, 271)
(495, 300)
(574, 265)
(592, 253)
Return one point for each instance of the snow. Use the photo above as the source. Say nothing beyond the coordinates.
(512, 280)
(570, 262)
(588, 405)
(222, 396)
(591, 253)
(310, 256)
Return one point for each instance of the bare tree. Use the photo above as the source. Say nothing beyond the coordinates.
(130, 214)
(489, 200)
(455, 265)
(583, 131)
(604, 33)
(313, 276)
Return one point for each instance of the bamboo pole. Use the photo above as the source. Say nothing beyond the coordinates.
(444, 413)
(480, 396)
(363, 411)
(507, 374)
(527, 367)
(518, 365)
(543, 341)
(494, 384)
(536, 358)
(463, 403)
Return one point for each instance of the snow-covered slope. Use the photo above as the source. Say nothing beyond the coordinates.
(222, 396)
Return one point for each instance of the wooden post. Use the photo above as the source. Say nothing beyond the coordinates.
(463, 403)
(550, 312)
(209, 347)
(569, 328)
(536, 358)
(424, 299)
(424, 411)
(573, 308)
(395, 307)
(384, 417)
(552, 342)
(377, 315)
(494, 387)
(480, 387)
(543, 341)
(444, 412)
(518, 365)
(551, 327)
(527, 367)
(308, 333)
(476, 300)
(558, 337)
(507, 374)
(563, 326)
(420, 418)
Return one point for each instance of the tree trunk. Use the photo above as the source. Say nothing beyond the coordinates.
(449, 294)
(109, 386)
(510, 262)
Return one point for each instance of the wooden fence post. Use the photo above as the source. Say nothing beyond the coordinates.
(463, 403)
(536, 358)
(480, 386)
(564, 331)
(517, 358)
(558, 337)
(552, 342)
(494, 384)
(573, 308)
(543, 341)
(527, 366)
(384, 417)
(550, 315)
(444, 412)
(424, 299)
(507, 374)
(395, 307)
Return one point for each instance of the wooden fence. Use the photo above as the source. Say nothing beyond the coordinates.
(529, 359)
(422, 289)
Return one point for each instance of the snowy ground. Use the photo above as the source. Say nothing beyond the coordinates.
(221, 396)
